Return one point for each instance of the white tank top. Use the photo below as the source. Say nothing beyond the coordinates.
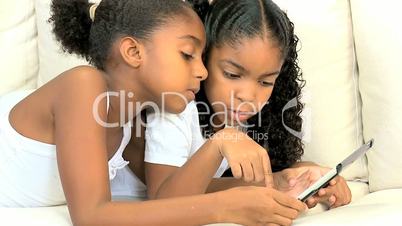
(40, 165)
(123, 182)
(117, 162)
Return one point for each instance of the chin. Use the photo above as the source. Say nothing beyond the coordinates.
(176, 108)
(237, 122)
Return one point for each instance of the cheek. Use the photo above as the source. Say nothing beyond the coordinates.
(218, 88)
(218, 94)
(263, 98)
(171, 67)
(169, 79)
(156, 76)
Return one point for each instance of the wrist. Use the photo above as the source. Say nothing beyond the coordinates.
(303, 163)
(224, 136)
(217, 141)
(276, 178)
(218, 207)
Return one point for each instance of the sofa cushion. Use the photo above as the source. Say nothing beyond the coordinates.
(377, 208)
(332, 119)
(368, 215)
(390, 196)
(18, 46)
(378, 48)
(44, 216)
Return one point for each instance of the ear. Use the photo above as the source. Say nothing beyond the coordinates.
(131, 51)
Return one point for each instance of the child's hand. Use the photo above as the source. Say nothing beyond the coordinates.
(259, 206)
(247, 159)
(292, 181)
(336, 194)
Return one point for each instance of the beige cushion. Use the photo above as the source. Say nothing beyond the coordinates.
(379, 47)
(368, 215)
(52, 59)
(18, 46)
(44, 216)
(332, 112)
(377, 208)
(391, 196)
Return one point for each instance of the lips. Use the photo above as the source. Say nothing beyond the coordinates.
(241, 115)
(194, 90)
(239, 112)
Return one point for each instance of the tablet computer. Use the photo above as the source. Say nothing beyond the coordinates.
(324, 180)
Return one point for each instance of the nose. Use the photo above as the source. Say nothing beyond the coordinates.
(201, 72)
(247, 92)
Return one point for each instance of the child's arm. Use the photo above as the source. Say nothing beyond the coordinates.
(157, 175)
(247, 159)
(291, 181)
(83, 166)
(223, 183)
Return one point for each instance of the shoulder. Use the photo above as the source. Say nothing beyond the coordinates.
(80, 88)
(83, 76)
(80, 83)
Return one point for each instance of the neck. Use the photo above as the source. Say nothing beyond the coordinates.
(124, 95)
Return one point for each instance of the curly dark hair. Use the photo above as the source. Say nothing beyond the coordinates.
(114, 18)
(228, 21)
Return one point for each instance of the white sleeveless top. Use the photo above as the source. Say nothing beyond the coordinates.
(123, 182)
(29, 174)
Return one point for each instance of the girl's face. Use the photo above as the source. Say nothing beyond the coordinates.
(174, 68)
(241, 79)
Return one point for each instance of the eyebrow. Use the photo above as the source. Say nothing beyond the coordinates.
(193, 38)
(241, 68)
(270, 74)
(234, 64)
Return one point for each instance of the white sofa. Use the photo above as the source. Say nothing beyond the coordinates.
(350, 56)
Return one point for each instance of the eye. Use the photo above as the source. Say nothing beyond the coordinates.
(187, 56)
(266, 84)
(231, 75)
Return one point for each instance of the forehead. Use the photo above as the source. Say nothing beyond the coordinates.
(251, 53)
(181, 27)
